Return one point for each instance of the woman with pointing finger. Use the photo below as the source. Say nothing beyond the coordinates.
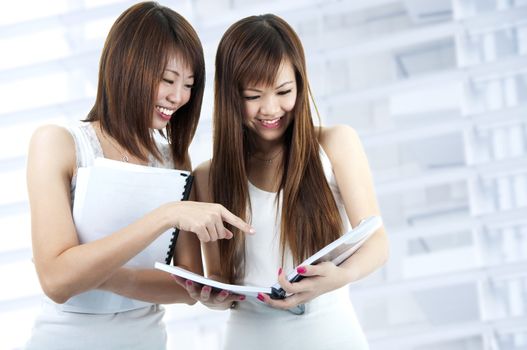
(151, 79)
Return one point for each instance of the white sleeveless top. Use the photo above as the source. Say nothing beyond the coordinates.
(262, 250)
(71, 325)
(329, 321)
(88, 148)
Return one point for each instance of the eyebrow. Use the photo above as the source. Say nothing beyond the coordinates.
(278, 87)
(177, 73)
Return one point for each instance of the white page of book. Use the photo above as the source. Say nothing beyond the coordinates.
(251, 291)
(337, 251)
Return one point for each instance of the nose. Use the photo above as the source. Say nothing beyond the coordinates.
(175, 96)
(270, 106)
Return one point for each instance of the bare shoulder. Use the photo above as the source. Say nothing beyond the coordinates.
(202, 171)
(339, 140)
(52, 146)
(201, 181)
(327, 133)
(52, 138)
(50, 133)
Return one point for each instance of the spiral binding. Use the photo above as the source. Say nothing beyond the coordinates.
(173, 240)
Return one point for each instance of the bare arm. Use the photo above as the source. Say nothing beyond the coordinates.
(157, 286)
(355, 183)
(66, 268)
(215, 300)
(211, 250)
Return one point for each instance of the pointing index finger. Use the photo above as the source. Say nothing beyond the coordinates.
(235, 221)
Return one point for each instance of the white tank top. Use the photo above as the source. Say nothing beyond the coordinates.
(75, 324)
(95, 301)
(263, 257)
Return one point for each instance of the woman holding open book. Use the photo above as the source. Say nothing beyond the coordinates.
(299, 185)
(151, 79)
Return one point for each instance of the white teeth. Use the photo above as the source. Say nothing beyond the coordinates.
(270, 121)
(165, 111)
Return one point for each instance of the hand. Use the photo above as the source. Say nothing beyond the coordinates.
(221, 300)
(205, 220)
(323, 278)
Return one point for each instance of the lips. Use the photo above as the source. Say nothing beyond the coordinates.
(270, 123)
(165, 113)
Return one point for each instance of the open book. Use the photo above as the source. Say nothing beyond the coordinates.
(336, 252)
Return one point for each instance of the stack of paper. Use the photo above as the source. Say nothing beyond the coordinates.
(111, 195)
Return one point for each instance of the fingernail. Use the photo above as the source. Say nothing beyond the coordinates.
(224, 293)
(279, 271)
(188, 282)
(301, 269)
(242, 297)
(252, 230)
(260, 297)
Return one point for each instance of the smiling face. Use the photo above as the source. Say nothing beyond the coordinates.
(267, 109)
(174, 91)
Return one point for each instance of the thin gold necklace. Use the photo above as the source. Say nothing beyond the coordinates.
(124, 157)
(269, 160)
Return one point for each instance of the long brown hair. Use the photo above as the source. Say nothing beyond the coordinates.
(133, 59)
(251, 51)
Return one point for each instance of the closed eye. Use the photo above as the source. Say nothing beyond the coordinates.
(284, 92)
(250, 98)
(168, 81)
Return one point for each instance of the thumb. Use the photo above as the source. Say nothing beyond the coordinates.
(310, 270)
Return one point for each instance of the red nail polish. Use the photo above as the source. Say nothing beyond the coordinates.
(301, 269)
(260, 297)
(279, 271)
(188, 282)
(242, 297)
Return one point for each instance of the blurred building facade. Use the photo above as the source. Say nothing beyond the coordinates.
(437, 90)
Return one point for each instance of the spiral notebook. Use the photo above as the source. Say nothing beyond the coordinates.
(109, 196)
(336, 252)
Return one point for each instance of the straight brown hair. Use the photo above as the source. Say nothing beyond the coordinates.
(133, 59)
(250, 52)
